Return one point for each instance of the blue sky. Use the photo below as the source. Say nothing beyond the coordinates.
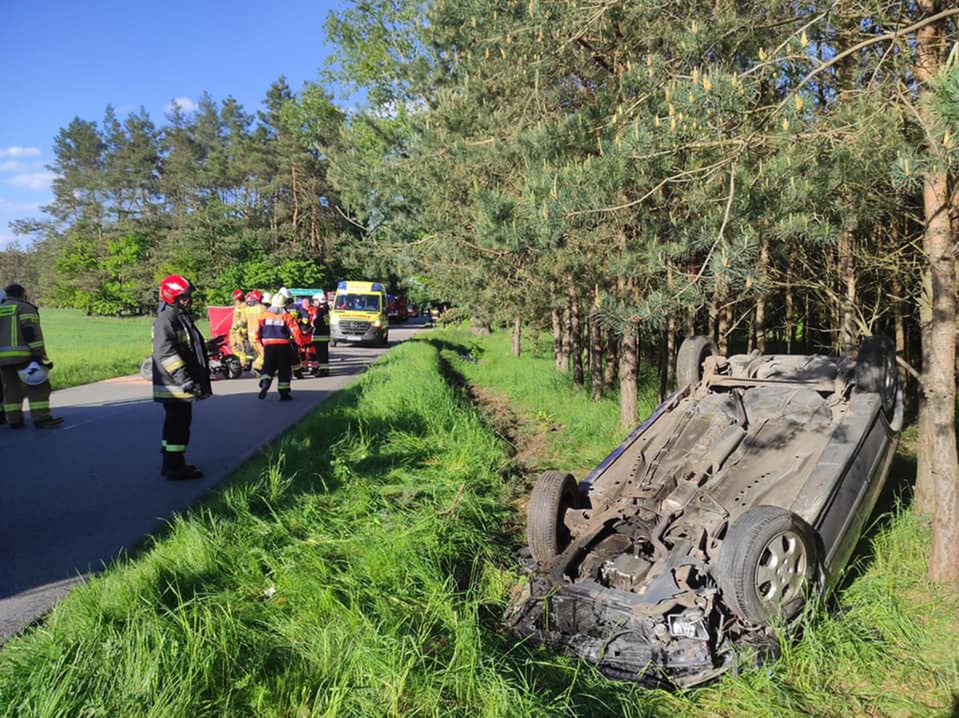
(60, 60)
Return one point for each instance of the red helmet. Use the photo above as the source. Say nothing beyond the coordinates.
(255, 294)
(173, 286)
(237, 295)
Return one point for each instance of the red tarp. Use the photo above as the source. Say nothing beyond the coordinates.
(221, 319)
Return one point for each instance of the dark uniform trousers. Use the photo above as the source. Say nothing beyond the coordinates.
(15, 391)
(276, 362)
(176, 425)
(322, 346)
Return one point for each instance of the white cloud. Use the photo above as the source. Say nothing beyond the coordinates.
(33, 180)
(16, 151)
(184, 103)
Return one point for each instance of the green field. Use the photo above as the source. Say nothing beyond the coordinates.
(361, 566)
(86, 349)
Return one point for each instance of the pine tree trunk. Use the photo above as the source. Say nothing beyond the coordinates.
(847, 268)
(670, 353)
(691, 322)
(557, 339)
(939, 356)
(759, 324)
(725, 320)
(627, 379)
(790, 312)
(517, 335)
(612, 361)
(596, 347)
(575, 335)
(564, 352)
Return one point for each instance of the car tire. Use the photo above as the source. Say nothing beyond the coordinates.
(553, 494)
(689, 361)
(876, 371)
(768, 560)
(146, 368)
(232, 367)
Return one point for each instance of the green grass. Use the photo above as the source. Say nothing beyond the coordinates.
(362, 564)
(86, 349)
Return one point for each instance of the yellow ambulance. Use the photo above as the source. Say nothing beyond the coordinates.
(359, 314)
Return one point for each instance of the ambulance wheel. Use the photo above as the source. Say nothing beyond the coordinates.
(146, 368)
(232, 367)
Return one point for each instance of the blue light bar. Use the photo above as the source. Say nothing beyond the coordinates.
(377, 287)
(341, 284)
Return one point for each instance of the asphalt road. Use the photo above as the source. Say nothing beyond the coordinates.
(76, 497)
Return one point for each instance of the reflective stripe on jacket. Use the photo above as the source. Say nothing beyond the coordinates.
(274, 327)
(179, 356)
(20, 335)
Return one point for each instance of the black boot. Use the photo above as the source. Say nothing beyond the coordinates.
(264, 388)
(175, 467)
(285, 395)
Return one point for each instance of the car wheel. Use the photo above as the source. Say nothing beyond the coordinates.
(876, 371)
(146, 368)
(232, 367)
(553, 494)
(689, 361)
(767, 562)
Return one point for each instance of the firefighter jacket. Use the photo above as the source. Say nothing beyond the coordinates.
(253, 314)
(321, 322)
(239, 326)
(274, 327)
(20, 337)
(179, 357)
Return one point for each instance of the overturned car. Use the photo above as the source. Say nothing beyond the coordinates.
(743, 493)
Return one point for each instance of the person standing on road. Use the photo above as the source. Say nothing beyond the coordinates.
(321, 334)
(23, 362)
(274, 334)
(181, 373)
(239, 339)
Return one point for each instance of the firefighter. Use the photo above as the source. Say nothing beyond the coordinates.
(252, 316)
(23, 362)
(239, 338)
(274, 334)
(321, 334)
(181, 373)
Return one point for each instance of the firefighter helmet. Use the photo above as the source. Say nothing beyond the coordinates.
(32, 374)
(319, 297)
(173, 286)
(285, 293)
(267, 298)
(255, 295)
(237, 295)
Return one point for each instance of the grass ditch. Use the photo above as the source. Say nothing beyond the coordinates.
(360, 566)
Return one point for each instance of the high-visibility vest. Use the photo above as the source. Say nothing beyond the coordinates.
(20, 335)
(274, 328)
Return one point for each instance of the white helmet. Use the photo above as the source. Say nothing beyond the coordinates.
(33, 374)
(278, 301)
(285, 293)
(267, 298)
(319, 297)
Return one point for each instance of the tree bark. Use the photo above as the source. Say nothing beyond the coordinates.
(564, 341)
(725, 321)
(596, 347)
(670, 353)
(557, 322)
(627, 378)
(575, 335)
(790, 312)
(612, 360)
(759, 325)
(517, 335)
(939, 356)
(847, 269)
